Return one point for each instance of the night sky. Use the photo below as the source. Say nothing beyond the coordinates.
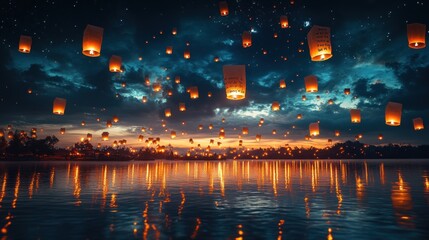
(370, 56)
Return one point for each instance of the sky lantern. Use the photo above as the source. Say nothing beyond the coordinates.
(140, 138)
(169, 50)
(221, 135)
(284, 22)
(83, 123)
(210, 126)
(167, 112)
(222, 129)
(209, 94)
(235, 81)
(245, 131)
(246, 38)
(193, 92)
(355, 116)
(274, 132)
(89, 136)
(275, 106)
(282, 83)
(304, 98)
(314, 129)
(182, 107)
(311, 84)
(105, 136)
(319, 43)
(10, 135)
(393, 114)
(25, 44)
(156, 87)
(380, 137)
(223, 8)
(147, 80)
(337, 133)
(144, 99)
(170, 93)
(330, 102)
(299, 116)
(174, 31)
(173, 134)
(418, 124)
(62, 131)
(187, 54)
(115, 119)
(115, 63)
(108, 123)
(258, 137)
(59, 106)
(416, 35)
(347, 91)
(92, 39)
(177, 79)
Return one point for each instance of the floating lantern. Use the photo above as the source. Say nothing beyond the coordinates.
(258, 137)
(235, 81)
(275, 106)
(274, 132)
(156, 87)
(304, 98)
(223, 8)
(108, 123)
(416, 35)
(211, 126)
(355, 116)
(216, 59)
(245, 131)
(89, 136)
(173, 134)
(10, 135)
(311, 84)
(187, 54)
(319, 43)
(167, 112)
(140, 138)
(105, 136)
(200, 127)
(174, 31)
(393, 114)
(193, 92)
(59, 106)
(147, 80)
(115, 119)
(330, 102)
(182, 107)
(169, 50)
(418, 124)
(25, 44)
(221, 135)
(347, 91)
(337, 133)
(92, 39)
(170, 93)
(144, 99)
(115, 63)
(62, 131)
(299, 116)
(314, 129)
(284, 22)
(380, 137)
(177, 79)
(83, 123)
(123, 84)
(209, 94)
(282, 83)
(261, 120)
(222, 129)
(246, 39)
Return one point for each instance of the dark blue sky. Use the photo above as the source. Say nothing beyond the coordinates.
(370, 56)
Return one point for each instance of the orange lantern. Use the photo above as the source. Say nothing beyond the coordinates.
(284, 22)
(147, 80)
(108, 123)
(187, 54)
(105, 136)
(173, 134)
(418, 124)
(210, 126)
(209, 94)
(274, 132)
(330, 102)
(144, 99)
(182, 107)
(223, 8)
(319, 43)
(62, 131)
(216, 59)
(355, 115)
(275, 106)
(200, 127)
(115, 63)
(380, 137)
(245, 131)
(311, 84)
(156, 87)
(416, 35)
(282, 83)
(299, 116)
(174, 31)
(92, 39)
(337, 133)
(140, 138)
(115, 119)
(169, 50)
(83, 123)
(89, 136)
(235, 81)
(221, 135)
(246, 39)
(304, 98)
(25, 44)
(193, 92)
(177, 79)
(258, 137)
(314, 129)
(167, 112)
(347, 91)
(59, 106)
(393, 114)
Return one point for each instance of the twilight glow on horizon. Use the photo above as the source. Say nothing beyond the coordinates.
(370, 56)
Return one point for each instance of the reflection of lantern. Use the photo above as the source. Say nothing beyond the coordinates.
(144, 99)
(347, 91)
(393, 114)
(355, 115)
(282, 83)
(235, 81)
(177, 79)
(193, 92)
(173, 134)
(156, 87)
(299, 116)
(275, 106)
(223, 8)
(418, 124)
(105, 136)
(25, 44)
(59, 106)
(167, 112)
(284, 22)
(258, 137)
(416, 35)
(182, 107)
(169, 50)
(187, 54)
(115, 63)
(314, 129)
(319, 43)
(337, 133)
(221, 135)
(311, 83)
(62, 131)
(245, 130)
(92, 38)
(246, 39)
(147, 80)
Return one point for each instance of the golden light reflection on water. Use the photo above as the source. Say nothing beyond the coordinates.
(402, 202)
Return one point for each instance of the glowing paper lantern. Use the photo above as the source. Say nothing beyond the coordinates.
(274, 132)
(25, 44)
(258, 137)
(282, 83)
(177, 79)
(89, 136)
(169, 50)
(211, 126)
(209, 94)
(115, 119)
(182, 107)
(235, 81)
(416, 35)
(193, 92)
(156, 87)
(245, 131)
(144, 99)
(418, 124)
(115, 63)
(314, 129)
(330, 102)
(246, 38)
(275, 106)
(347, 91)
(299, 116)
(221, 135)
(140, 138)
(105, 136)
(59, 106)
(108, 123)
(393, 114)
(337, 133)
(62, 131)
(167, 112)
(319, 43)
(174, 31)
(311, 84)
(223, 8)
(173, 134)
(187, 54)
(355, 116)
(304, 98)
(284, 22)
(92, 39)
(380, 136)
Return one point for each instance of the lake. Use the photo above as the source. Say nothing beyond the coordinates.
(245, 199)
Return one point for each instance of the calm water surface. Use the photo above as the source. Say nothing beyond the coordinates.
(373, 199)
